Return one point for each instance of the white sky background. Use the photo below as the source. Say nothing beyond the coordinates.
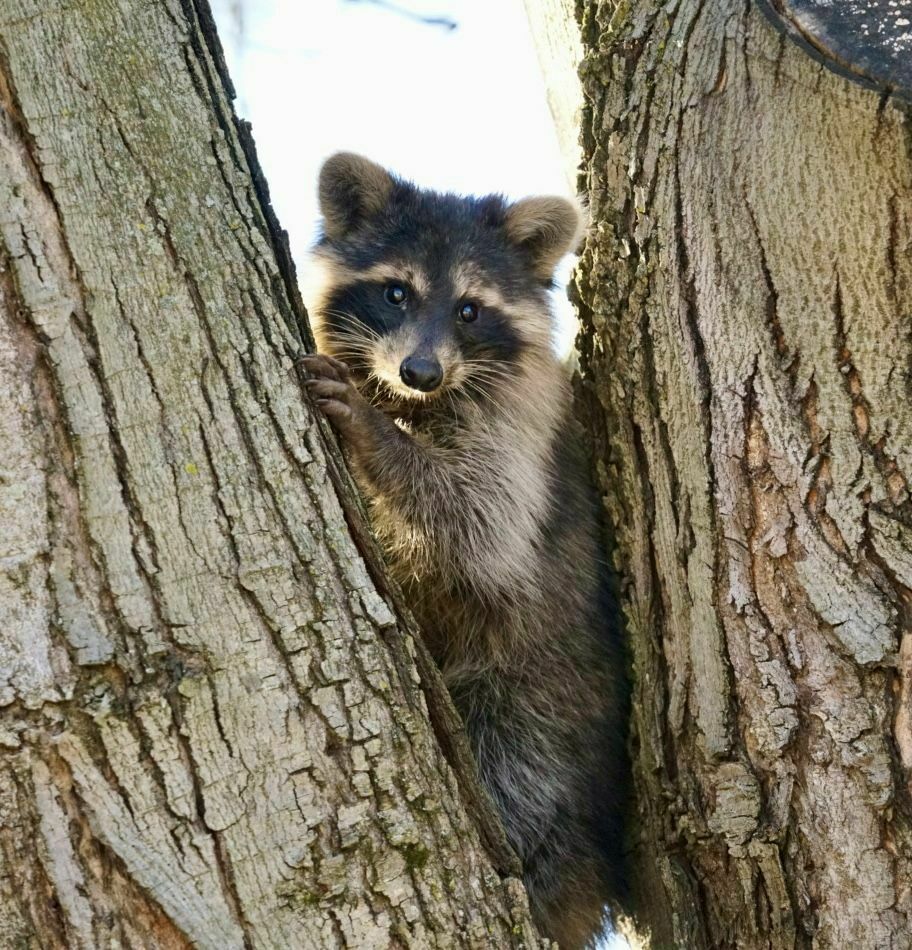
(459, 109)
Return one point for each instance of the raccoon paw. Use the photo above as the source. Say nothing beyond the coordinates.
(328, 367)
(338, 397)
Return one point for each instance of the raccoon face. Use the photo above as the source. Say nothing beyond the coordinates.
(426, 293)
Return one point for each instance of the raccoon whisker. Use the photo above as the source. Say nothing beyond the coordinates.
(374, 397)
(489, 383)
(462, 387)
(359, 331)
(490, 378)
(350, 344)
(343, 352)
(487, 370)
(377, 397)
(343, 314)
(350, 340)
(453, 404)
(485, 362)
(469, 385)
(476, 395)
(350, 321)
(354, 361)
(342, 348)
(459, 388)
(491, 372)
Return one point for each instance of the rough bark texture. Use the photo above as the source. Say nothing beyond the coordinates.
(746, 292)
(212, 731)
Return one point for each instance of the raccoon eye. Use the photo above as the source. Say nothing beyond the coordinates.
(468, 312)
(395, 295)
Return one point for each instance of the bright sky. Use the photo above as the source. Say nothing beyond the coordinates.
(458, 109)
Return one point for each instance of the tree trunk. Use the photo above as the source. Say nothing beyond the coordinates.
(746, 292)
(557, 43)
(213, 732)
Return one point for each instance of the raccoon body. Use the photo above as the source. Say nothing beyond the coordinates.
(437, 368)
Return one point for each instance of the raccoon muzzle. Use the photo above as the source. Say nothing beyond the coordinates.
(420, 373)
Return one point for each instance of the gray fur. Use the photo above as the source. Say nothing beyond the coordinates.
(479, 494)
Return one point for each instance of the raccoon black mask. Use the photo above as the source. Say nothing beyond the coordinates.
(426, 293)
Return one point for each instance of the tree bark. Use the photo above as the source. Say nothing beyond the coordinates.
(213, 730)
(746, 293)
(557, 43)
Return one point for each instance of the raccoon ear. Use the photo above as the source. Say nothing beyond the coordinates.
(547, 228)
(352, 189)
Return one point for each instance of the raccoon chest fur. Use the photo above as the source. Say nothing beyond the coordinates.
(437, 370)
(470, 559)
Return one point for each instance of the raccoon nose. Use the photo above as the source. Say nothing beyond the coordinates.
(421, 373)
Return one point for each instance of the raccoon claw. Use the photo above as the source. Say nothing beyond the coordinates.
(338, 398)
(327, 367)
(335, 411)
(332, 398)
(328, 388)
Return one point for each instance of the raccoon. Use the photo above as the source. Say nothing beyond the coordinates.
(436, 366)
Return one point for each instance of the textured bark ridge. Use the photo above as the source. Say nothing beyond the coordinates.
(746, 293)
(211, 730)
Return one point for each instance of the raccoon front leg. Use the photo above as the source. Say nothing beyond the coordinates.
(378, 445)
(361, 424)
(389, 461)
(425, 502)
